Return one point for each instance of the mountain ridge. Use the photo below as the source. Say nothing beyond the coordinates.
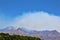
(46, 34)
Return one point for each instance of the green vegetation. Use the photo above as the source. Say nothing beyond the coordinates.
(6, 36)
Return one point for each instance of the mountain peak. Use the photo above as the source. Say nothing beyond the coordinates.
(8, 28)
(24, 29)
(54, 31)
(19, 29)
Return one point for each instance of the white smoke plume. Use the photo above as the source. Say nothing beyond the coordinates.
(38, 21)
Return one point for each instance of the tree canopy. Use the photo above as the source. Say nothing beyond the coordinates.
(6, 36)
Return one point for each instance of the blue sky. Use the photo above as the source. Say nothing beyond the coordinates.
(12, 10)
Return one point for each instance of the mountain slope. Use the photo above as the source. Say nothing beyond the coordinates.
(7, 29)
(46, 35)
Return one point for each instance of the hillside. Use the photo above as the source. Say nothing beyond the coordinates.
(44, 35)
(6, 36)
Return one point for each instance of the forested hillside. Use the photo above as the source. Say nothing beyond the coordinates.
(6, 36)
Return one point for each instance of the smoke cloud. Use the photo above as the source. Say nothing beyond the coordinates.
(37, 21)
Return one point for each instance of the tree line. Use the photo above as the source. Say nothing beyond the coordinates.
(6, 36)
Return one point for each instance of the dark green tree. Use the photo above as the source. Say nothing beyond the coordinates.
(6, 36)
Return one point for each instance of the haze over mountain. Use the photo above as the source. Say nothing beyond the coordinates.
(46, 34)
